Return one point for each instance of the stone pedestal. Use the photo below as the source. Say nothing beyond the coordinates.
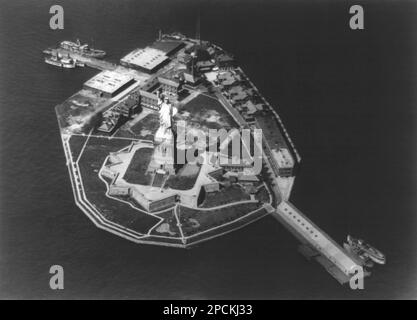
(163, 156)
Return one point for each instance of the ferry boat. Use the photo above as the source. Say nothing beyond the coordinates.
(364, 250)
(83, 49)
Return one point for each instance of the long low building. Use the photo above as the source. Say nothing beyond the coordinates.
(285, 162)
(147, 60)
(109, 83)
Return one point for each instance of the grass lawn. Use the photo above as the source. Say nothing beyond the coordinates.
(136, 172)
(205, 113)
(209, 219)
(76, 143)
(144, 129)
(96, 151)
(185, 178)
(228, 227)
(147, 127)
(69, 113)
(226, 195)
(262, 195)
(169, 219)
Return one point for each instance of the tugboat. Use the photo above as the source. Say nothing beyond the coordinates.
(82, 49)
(364, 251)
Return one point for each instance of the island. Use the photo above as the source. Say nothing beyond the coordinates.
(174, 145)
(122, 175)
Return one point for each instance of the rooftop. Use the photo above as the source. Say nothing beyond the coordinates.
(283, 157)
(148, 94)
(238, 93)
(271, 130)
(252, 108)
(224, 57)
(226, 78)
(169, 82)
(148, 58)
(108, 81)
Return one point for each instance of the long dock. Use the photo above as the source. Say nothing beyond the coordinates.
(89, 61)
(316, 243)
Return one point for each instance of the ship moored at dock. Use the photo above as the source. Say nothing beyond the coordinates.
(364, 251)
(63, 62)
(83, 49)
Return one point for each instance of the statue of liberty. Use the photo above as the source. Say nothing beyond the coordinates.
(165, 130)
(164, 157)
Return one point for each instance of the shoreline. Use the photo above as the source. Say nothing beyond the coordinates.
(102, 222)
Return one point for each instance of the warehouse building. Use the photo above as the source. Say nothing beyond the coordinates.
(109, 83)
(147, 60)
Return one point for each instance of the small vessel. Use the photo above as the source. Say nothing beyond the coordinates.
(364, 250)
(83, 49)
(53, 60)
(67, 62)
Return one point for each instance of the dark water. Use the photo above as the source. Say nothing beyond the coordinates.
(347, 98)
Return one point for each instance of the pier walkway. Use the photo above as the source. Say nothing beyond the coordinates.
(316, 243)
